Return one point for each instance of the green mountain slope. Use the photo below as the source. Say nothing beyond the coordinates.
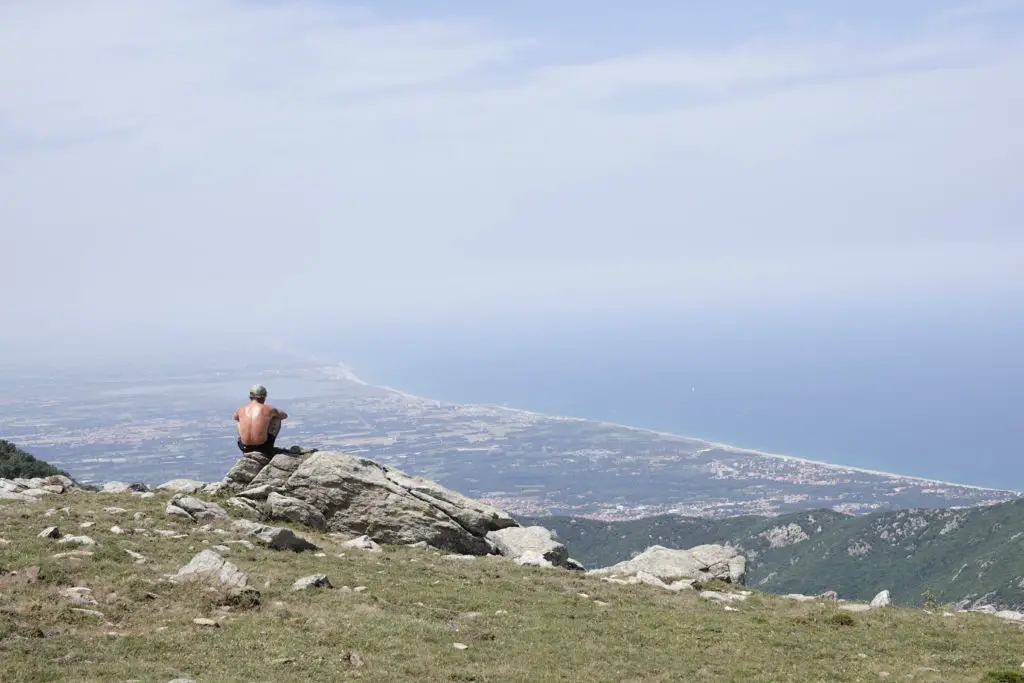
(967, 557)
(16, 463)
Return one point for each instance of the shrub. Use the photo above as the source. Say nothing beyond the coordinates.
(841, 619)
(1003, 677)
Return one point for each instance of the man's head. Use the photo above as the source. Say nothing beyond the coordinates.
(258, 393)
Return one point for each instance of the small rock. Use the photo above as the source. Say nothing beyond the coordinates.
(138, 557)
(50, 532)
(183, 485)
(460, 646)
(883, 599)
(4, 541)
(459, 558)
(79, 595)
(205, 622)
(729, 608)
(80, 540)
(855, 607)
(122, 487)
(313, 581)
(600, 603)
(319, 554)
(221, 548)
(89, 612)
(115, 511)
(359, 589)
(86, 525)
(500, 612)
(116, 530)
(194, 508)
(74, 554)
(723, 597)
(363, 543)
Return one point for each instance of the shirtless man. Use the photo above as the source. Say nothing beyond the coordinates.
(258, 423)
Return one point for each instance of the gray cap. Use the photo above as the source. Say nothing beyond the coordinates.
(258, 390)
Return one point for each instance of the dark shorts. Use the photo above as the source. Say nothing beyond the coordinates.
(265, 447)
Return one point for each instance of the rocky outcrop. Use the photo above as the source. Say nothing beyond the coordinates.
(677, 569)
(28, 490)
(337, 492)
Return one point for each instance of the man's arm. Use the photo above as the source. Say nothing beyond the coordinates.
(280, 414)
(235, 416)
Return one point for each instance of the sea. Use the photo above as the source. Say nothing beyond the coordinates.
(932, 389)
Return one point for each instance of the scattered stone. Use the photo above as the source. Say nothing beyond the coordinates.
(363, 543)
(359, 589)
(724, 597)
(800, 597)
(183, 485)
(74, 554)
(221, 548)
(138, 557)
(115, 511)
(601, 603)
(855, 607)
(80, 540)
(200, 621)
(4, 541)
(883, 599)
(89, 612)
(79, 595)
(122, 487)
(829, 595)
(176, 511)
(729, 608)
(314, 581)
(244, 543)
(50, 532)
(196, 509)
(274, 537)
(117, 531)
(460, 646)
(86, 525)
(210, 567)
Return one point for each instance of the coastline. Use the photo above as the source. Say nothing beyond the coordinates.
(711, 445)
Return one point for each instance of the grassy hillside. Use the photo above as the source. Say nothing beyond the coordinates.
(518, 623)
(16, 463)
(951, 555)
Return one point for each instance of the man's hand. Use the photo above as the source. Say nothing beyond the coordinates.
(280, 414)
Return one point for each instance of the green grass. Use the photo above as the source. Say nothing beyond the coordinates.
(520, 623)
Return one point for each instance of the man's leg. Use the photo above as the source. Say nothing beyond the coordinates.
(273, 429)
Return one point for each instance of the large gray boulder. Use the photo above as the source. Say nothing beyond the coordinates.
(355, 496)
(532, 545)
(672, 566)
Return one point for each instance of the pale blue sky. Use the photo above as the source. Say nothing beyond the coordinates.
(394, 160)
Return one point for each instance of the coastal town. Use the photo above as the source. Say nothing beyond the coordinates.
(526, 463)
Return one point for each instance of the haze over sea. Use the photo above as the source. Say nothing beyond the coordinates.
(927, 390)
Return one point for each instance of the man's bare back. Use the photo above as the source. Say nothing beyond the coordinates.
(258, 423)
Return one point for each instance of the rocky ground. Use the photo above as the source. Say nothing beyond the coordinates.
(165, 585)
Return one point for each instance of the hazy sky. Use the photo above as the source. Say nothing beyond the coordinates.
(175, 165)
